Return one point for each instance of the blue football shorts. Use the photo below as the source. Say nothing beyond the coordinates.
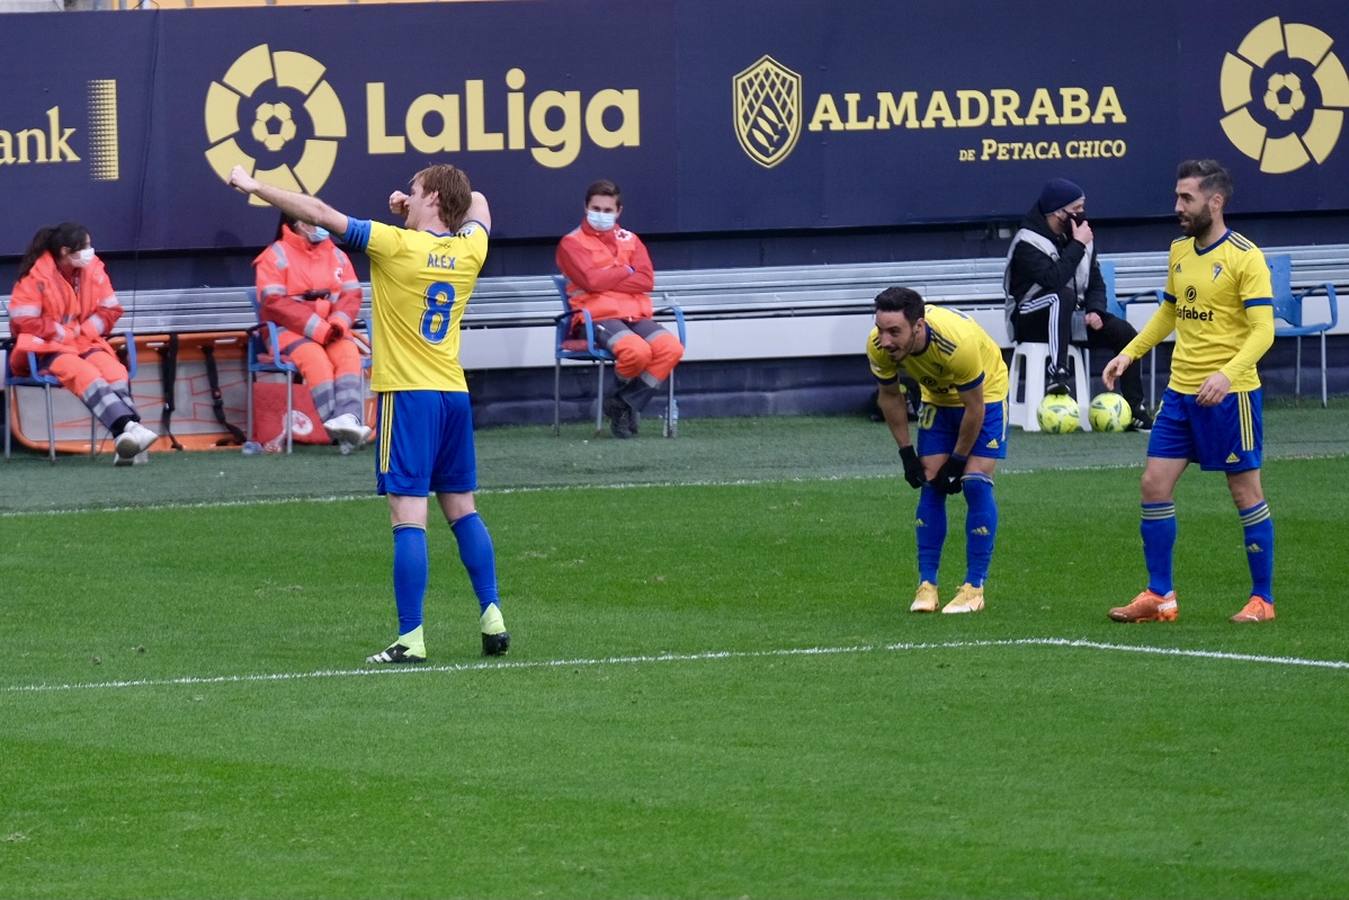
(425, 444)
(939, 426)
(1223, 438)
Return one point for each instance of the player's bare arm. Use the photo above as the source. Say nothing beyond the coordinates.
(1114, 369)
(478, 210)
(896, 412)
(299, 206)
(972, 420)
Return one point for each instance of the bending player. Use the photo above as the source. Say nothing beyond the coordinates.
(962, 431)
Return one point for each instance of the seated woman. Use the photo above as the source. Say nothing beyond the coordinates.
(62, 310)
(306, 285)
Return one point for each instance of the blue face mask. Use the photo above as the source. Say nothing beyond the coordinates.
(601, 221)
(319, 235)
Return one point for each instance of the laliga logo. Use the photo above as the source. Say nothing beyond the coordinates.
(1269, 78)
(767, 110)
(259, 95)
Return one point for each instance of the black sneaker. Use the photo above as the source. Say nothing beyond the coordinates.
(1058, 387)
(1142, 421)
(496, 640)
(496, 644)
(619, 414)
(396, 653)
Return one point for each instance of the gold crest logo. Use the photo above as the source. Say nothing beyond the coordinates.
(1264, 96)
(258, 96)
(768, 113)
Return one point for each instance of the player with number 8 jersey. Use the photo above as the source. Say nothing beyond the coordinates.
(422, 282)
(422, 277)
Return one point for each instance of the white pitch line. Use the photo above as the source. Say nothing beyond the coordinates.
(1007, 470)
(711, 655)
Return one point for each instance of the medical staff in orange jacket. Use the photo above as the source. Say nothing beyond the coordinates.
(306, 285)
(609, 274)
(62, 310)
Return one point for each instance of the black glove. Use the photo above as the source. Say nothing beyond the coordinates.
(948, 478)
(913, 469)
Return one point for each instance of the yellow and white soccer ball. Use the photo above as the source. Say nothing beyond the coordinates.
(1058, 414)
(1109, 412)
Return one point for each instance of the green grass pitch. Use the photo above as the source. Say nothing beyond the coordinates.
(714, 689)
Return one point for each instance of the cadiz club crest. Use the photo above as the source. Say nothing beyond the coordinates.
(1284, 93)
(767, 111)
(274, 114)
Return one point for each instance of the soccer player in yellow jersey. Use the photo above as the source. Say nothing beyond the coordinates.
(1219, 302)
(962, 429)
(422, 276)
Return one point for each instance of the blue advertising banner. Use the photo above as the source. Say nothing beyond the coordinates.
(714, 117)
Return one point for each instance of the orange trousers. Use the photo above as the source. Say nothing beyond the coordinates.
(641, 347)
(98, 378)
(332, 372)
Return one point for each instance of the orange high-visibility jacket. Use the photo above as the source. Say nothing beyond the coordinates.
(608, 272)
(48, 314)
(294, 269)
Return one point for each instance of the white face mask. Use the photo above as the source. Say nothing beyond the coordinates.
(82, 258)
(601, 221)
(318, 235)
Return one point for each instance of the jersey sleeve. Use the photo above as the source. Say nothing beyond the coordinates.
(375, 239)
(1169, 292)
(884, 369)
(1253, 281)
(473, 239)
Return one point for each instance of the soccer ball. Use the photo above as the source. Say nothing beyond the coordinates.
(1058, 414)
(1109, 412)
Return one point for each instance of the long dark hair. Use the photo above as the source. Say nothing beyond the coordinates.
(70, 235)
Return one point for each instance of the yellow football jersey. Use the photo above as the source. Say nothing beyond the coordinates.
(959, 356)
(1211, 288)
(421, 284)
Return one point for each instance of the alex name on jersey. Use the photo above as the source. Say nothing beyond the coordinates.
(421, 282)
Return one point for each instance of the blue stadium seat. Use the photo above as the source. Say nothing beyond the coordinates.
(1288, 307)
(264, 357)
(1117, 307)
(579, 344)
(576, 344)
(45, 381)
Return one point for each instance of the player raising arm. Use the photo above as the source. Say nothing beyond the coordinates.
(1218, 300)
(422, 276)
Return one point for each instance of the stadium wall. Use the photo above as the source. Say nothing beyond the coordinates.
(771, 117)
(775, 133)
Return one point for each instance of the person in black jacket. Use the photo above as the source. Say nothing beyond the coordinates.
(1054, 289)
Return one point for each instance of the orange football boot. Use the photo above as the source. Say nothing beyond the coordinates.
(1257, 609)
(1148, 606)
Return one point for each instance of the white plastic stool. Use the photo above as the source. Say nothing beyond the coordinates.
(1030, 359)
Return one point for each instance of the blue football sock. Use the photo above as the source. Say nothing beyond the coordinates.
(930, 525)
(1258, 530)
(981, 527)
(1158, 528)
(410, 573)
(478, 556)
